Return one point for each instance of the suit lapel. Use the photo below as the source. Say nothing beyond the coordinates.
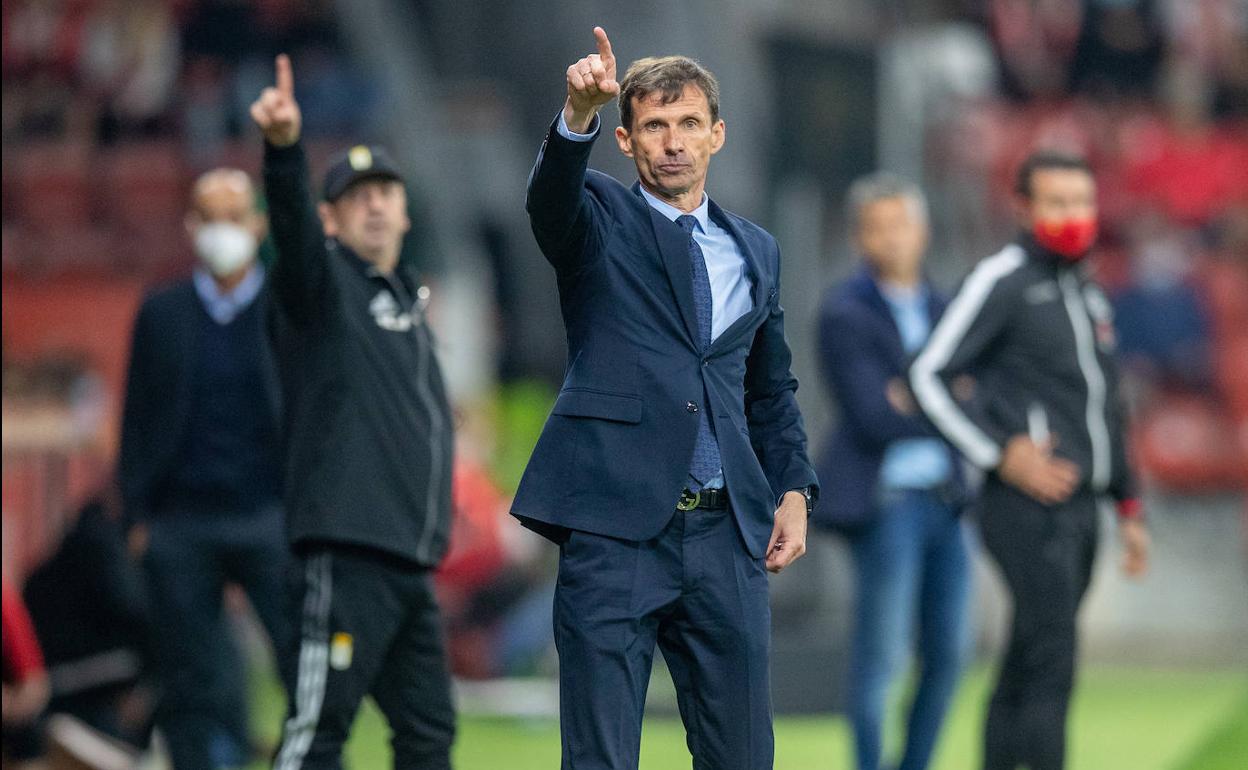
(752, 262)
(870, 292)
(674, 249)
(759, 290)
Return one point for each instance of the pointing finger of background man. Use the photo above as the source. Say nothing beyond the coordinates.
(260, 115)
(285, 77)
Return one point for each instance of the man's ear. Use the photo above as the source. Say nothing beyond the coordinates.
(329, 223)
(191, 222)
(717, 136)
(622, 139)
(259, 225)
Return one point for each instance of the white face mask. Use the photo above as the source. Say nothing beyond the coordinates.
(224, 247)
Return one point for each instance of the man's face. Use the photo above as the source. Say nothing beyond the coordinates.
(892, 235)
(1059, 194)
(672, 144)
(225, 197)
(370, 217)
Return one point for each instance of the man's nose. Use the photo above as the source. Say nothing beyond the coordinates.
(673, 143)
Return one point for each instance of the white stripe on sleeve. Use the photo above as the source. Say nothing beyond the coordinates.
(929, 388)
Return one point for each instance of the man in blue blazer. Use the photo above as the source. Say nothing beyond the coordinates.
(673, 468)
(897, 491)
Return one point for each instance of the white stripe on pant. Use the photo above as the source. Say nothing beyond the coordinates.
(309, 694)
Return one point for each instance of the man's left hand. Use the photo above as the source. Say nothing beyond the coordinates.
(1137, 545)
(788, 537)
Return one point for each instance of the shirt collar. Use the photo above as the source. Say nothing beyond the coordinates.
(902, 295)
(702, 213)
(225, 306)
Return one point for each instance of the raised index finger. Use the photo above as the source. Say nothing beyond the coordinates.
(604, 45)
(285, 78)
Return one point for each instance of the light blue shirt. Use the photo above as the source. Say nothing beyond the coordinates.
(223, 306)
(913, 463)
(725, 264)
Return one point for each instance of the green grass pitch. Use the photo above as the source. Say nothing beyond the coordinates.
(1121, 719)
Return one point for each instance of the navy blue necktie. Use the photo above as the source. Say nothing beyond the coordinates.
(706, 460)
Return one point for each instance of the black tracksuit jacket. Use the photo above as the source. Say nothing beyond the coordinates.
(1037, 334)
(368, 429)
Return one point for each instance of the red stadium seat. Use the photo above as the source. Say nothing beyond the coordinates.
(86, 250)
(143, 185)
(51, 187)
(1186, 444)
(12, 250)
(1231, 366)
(1225, 284)
(246, 155)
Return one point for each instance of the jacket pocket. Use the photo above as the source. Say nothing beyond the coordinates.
(604, 406)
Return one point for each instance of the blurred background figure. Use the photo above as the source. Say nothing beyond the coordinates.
(88, 602)
(26, 686)
(369, 509)
(893, 487)
(200, 471)
(493, 586)
(1049, 431)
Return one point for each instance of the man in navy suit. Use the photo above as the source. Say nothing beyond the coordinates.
(673, 467)
(897, 493)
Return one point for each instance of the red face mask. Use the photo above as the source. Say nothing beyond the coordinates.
(1071, 238)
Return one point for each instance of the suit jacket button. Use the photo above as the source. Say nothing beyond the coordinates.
(691, 407)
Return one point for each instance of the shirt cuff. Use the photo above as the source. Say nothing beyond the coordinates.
(1130, 508)
(567, 133)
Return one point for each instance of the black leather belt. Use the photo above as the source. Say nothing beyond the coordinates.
(706, 499)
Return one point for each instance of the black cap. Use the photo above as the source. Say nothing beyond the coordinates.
(360, 162)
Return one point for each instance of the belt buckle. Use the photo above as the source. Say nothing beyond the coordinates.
(688, 500)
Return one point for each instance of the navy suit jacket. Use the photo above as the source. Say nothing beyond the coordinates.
(614, 454)
(860, 350)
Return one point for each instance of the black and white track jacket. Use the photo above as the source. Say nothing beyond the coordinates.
(368, 427)
(1037, 334)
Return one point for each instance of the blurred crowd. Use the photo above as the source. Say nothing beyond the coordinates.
(1154, 93)
(111, 106)
(107, 70)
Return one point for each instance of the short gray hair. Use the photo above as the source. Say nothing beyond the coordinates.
(879, 186)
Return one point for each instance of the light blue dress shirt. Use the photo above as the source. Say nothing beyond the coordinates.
(731, 285)
(912, 463)
(222, 306)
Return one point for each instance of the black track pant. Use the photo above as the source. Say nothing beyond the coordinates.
(1046, 555)
(369, 626)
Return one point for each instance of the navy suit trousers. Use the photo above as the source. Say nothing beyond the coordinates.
(696, 591)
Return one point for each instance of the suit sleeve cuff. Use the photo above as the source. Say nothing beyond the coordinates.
(561, 126)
